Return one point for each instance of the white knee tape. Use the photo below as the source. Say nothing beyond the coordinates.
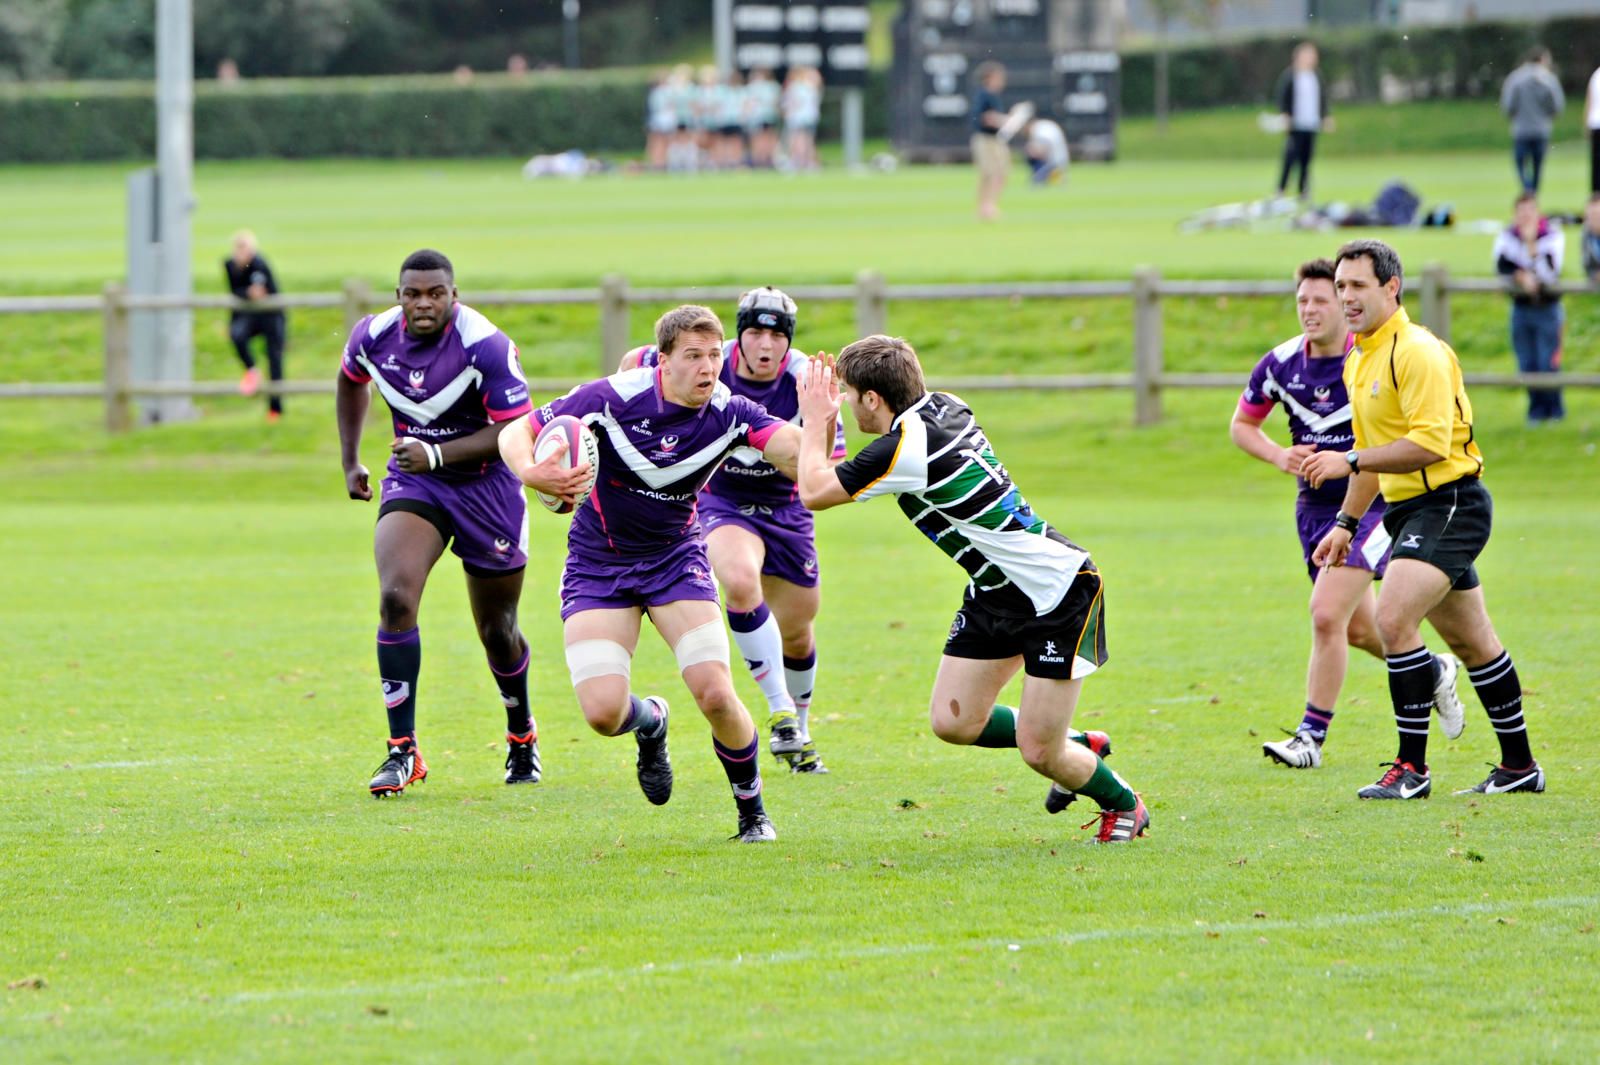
(703, 643)
(587, 659)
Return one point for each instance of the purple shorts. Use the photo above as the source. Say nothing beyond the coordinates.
(483, 519)
(596, 581)
(786, 529)
(1369, 549)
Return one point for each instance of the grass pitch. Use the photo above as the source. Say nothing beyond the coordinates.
(194, 869)
(195, 872)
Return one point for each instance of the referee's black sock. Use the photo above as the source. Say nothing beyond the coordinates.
(1411, 692)
(1501, 692)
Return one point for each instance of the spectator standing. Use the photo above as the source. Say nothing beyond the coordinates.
(730, 122)
(762, 98)
(251, 278)
(802, 110)
(1591, 113)
(1529, 252)
(989, 153)
(661, 122)
(1532, 98)
(1303, 102)
(682, 152)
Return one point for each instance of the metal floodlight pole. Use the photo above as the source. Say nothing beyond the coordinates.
(722, 35)
(175, 196)
(569, 15)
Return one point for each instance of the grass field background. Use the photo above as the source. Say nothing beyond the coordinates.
(194, 871)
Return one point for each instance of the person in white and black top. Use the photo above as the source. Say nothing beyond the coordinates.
(1529, 253)
(251, 278)
(1304, 105)
(1034, 600)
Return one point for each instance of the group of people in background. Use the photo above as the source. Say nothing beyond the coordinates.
(724, 122)
(995, 127)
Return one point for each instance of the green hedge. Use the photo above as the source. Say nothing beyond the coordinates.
(1466, 61)
(383, 117)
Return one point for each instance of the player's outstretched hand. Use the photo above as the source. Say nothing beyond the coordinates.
(819, 390)
(1324, 466)
(551, 476)
(1290, 458)
(1332, 549)
(356, 482)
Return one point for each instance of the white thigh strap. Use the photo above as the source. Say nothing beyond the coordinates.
(703, 643)
(588, 659)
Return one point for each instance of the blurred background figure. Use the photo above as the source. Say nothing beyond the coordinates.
(1046, 149)
(516, 64)
(989, 153)
(762, 97)
(1303, 103)
(1532, 98)
(227, 72)
(729, 153)
(802, 109)
(1591, 123)
(682, 151)
(251, 278)
(707, 114)
(660, 122)
(1529, 252)
(1590, 239)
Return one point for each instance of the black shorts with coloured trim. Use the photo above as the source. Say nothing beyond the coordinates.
(1447, 528)
(1067, 643)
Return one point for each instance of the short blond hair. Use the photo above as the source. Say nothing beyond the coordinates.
(885, 365)
(689, 318)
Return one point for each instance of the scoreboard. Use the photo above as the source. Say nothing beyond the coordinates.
(830, 35)
(1058, 54)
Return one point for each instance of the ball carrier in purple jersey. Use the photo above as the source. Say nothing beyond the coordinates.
(1305, 375)
(452, 383)
(1034, 599)
(635, 545)
(761, 540)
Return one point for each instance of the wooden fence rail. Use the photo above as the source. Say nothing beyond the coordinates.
(871, 294)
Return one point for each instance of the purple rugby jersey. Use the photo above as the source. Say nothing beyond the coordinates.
(441, 387)
(745, 478)
(1313, 395)
(655, 456)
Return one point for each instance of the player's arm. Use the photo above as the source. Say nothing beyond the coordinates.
(632, 360)
(350, 403)
(818, 480)
(419, 456)
(1248, 436)
(548, 475)
(1334, 547)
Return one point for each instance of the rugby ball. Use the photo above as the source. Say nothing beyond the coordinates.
(582, 448)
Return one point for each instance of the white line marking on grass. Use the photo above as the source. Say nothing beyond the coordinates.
(791, 957)
(75, 767)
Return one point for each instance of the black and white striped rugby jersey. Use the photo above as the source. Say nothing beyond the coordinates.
(937, 460)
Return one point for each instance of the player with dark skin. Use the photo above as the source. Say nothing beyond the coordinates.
(407, 544)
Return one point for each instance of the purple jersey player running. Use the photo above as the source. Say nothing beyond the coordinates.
(759, 537)
(635, 545)
(452, 382)
(1305, 374)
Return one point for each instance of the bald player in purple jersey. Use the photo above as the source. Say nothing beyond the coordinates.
(635, 545)
(1305, 375)
(760, 538)
(452, 382)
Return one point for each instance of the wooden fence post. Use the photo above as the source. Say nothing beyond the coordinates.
(114, 316)
(357, 298)
(1436, 300)
(872, 304)
(613, 321)
(1147, 345)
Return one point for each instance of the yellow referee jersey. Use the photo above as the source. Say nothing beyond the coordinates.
(1405, 383)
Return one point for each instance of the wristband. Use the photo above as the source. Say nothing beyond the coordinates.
(1341, 520)
(435, 455)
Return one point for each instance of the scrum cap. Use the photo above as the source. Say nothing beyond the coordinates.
(767, 308)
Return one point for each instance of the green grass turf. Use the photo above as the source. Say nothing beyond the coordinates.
(194, 871)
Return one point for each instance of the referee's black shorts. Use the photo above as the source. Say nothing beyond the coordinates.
(1447, 528)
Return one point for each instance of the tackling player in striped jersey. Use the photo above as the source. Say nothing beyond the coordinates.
(1034, 600)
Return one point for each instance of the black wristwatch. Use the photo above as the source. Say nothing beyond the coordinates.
(1354, 459)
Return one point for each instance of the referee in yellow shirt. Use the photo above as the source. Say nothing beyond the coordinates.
(1414, 440)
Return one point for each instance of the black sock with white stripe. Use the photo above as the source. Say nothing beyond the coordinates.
(1501, 693)
(1411, 692)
